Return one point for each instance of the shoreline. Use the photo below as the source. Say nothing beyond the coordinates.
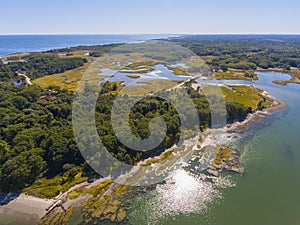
(294, 73)
(34, 208)
(26, 206)
(275, 107)
(209, 135)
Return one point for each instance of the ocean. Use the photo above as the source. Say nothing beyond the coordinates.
(10, 44)
(268, 192)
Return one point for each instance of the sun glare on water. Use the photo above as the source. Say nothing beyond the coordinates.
(184, 193)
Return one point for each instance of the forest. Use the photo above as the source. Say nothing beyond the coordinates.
(36, 133)
(37, 138)
(37, 65)
(245, 52)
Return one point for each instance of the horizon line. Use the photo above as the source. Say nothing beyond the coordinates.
(147, 34)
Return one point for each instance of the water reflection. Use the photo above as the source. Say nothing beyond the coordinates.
(160, 72)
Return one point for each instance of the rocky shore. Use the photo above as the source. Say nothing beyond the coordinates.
(214, 160)
(104, 201)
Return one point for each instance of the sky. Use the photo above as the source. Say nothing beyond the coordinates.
(149, 16)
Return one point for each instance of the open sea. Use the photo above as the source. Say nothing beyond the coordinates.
(10, 44)
(268, 192)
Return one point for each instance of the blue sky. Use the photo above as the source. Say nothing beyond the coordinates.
(148, 16)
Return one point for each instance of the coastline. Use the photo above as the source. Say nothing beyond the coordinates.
(212, 134)
(293, 72)
(34, 208)
(26, 206)
(275, 107)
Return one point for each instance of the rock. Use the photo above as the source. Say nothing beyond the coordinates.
(121, 215)
(116, 202)
(237, 169)
(225, 159)
(111, 209)
(213, 172)
(113, 217)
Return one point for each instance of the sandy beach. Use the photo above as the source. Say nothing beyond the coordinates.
(25, 206)
(33, 208)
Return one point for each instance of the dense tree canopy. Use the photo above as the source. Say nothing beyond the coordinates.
(38, 65)
(245, 52)
(36, 134)
(37, 137)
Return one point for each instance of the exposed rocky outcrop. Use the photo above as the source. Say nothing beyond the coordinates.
(216, 159)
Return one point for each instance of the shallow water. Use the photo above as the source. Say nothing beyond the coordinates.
(268, 193)
(160, 72)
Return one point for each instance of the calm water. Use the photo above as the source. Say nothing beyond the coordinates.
(31, 43)
(268, 193)
(160, 72)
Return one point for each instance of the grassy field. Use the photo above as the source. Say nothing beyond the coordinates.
(135, 62)
(150, 86)
(246, 95)
(178, 71)
(234, 75)
(50, 188)
(295, 73)
(67, 80)
(207, 58)
(133, 76)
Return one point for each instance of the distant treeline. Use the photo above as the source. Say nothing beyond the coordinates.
(36, 134)
(95, 50)
(38, 64)
(245, 52)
